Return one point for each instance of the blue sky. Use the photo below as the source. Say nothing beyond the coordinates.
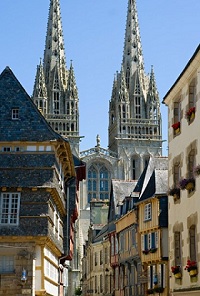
(94, 37)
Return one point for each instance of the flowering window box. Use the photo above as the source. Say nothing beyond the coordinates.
(190, 114)
(175, 192)
(176, 126)
(191, 267)
(176, 270)
(188, 184)
(145, 252)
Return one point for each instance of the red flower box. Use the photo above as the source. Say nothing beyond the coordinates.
(176, 125)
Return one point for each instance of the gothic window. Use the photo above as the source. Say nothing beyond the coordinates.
(192, 242)
(124, 111)
(98, 182)
(135, 167)
(137, 107)
(177, 248)
(56, 103)
(68, 109)
(127, 77)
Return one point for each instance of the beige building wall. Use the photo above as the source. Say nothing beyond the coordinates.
(184, 155)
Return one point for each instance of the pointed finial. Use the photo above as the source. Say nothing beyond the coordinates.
(98, 141)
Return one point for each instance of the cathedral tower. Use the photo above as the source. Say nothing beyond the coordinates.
(134, 110)
(55, 92)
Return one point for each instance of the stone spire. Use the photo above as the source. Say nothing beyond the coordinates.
(40, 90)
(54, 54)
(134, 103)
(62, 94)
(132, 56)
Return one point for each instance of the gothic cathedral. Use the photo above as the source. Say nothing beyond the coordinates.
(134, 118)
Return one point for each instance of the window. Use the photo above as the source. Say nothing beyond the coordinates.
(15, 114)
(177, 248)
(98, 182)
(133, 237)
(9, 208)
(6, 149)
(192, 240)
(112, 246)
(101, 257)
(95, 259)
(147, 212)
(191, 163)
(51, 271)
(106, 256)
(6, 264)
(149, 241)
(192, 93)
(135, 168)
(177, 173)
(137, 107)
(177, 112)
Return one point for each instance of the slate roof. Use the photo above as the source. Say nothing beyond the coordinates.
(31, 125)
(154, 179)
(119, 190)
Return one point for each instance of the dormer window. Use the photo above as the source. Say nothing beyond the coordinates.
(15, 113)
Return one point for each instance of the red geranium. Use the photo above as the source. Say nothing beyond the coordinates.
(176, 125)
(191, 265)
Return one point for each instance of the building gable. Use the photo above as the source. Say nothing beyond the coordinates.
(19, 115)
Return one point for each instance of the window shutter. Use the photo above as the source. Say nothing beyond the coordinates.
(142, 242)
(156, 239)
(159, 275)
(154, 274)
(149, 277)
(163, 275)
(153, 244)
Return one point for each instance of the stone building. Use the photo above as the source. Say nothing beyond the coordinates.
(38, 198)
(183, 101)
(134, 121)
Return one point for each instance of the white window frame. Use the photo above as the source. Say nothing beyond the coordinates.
(147, 212)
(9, 208)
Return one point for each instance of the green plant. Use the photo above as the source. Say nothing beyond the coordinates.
(78, 291)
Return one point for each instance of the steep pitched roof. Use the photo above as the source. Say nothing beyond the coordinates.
(154, 179)
(119, 190)
(31, 125)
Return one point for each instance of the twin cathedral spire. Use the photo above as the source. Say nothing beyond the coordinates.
(134, 108)
(55, 92)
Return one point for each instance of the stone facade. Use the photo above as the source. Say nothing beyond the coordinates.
(184, 157)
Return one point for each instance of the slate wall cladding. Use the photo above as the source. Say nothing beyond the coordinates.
(13, 95)
(36, 217)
